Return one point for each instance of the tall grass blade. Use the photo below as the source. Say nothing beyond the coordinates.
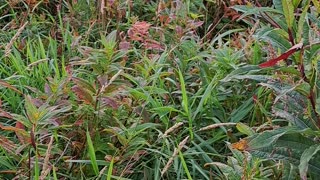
(184, 164)
(185, 102)
(110, 169)
(92, 154)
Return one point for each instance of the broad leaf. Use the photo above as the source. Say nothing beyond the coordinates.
(305, 158)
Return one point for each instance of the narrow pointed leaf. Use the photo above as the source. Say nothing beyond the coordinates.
(283, 56)
(288, 11)
(92, 154)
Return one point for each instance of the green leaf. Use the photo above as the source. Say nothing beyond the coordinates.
(185, 102)
(289, 149)
(289, 104)
(290, 171)
(288, 11)
(305, 158)
(109, 43)
(277, 37)
(244, 70)
(31, 110)
(278, 5)
(227, 33)
(92, 154)
(136, 130)
(302, 20)
(166, 109)
(122, 138)
(316, 5)
(254, 10)
(206, 95)
(227, 170)
(110, 169)
(266, 138)
(36, 168)
(244, 129)
(296, 3)
(184, 164)
(238, 114)
(318, 105)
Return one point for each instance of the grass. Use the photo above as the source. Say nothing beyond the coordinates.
(158, 90)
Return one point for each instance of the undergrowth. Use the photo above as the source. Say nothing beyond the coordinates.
(159, 89)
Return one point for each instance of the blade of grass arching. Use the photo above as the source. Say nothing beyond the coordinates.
(184, 164)
(6, 162)
(185, 102)
(199, 169)
(206, 95)
(92, 154)
(242, 111)
(17, 62)
(52, 51)
(110, 169)
(43, 67)
(40, 47)
(184, 94)
(204, 154)
(223, 35)
(205, 143)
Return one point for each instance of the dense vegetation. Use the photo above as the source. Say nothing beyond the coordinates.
(184, 89)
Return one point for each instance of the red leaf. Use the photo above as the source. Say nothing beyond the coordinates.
(83, 94)
(19, 129)
(5, 114)
(152, 44)
(139, 31)
(7, 144)
(283, 56)
(22, 135)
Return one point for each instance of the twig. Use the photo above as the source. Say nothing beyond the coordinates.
(175, 152)
(7, 49)
(212, 126)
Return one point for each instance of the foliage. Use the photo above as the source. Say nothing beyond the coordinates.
(159, 89)
(295, 88)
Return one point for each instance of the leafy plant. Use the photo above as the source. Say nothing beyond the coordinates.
(294, 87)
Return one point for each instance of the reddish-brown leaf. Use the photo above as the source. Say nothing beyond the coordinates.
(22, 134)
(152, 44)
(7, 85)
(5, 114)
(7, 144)
(283, 56)
(83, 95)
(107, 101)
(139, 31)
